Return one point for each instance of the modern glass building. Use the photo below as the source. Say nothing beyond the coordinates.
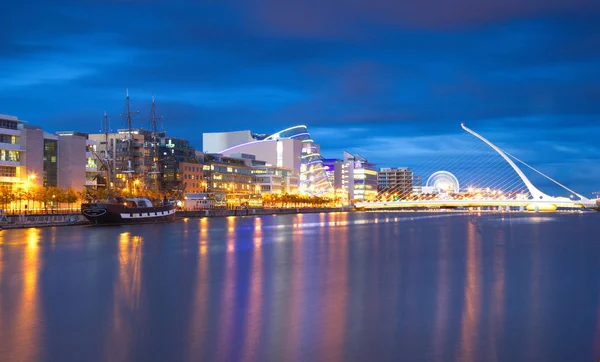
(359, 177)
(291, 148)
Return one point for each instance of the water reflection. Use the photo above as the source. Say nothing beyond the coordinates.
(472, 298)
(126, 298)
(130, 262)
(21, 319)
(199, 317)
(285, 288)
(441, 314)
(28, 312)
(533, 337)
(203, 236)
(296, 298)
(227, 309)
(597, 331)
(496, 315)
(254, 316)
(335, 296)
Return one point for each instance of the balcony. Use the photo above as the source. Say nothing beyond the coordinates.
(91, 183)
(10, 146)
(9, 179)
(91, 169)
(10, 163)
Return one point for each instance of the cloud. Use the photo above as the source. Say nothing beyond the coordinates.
(374, 77)
(335, 17)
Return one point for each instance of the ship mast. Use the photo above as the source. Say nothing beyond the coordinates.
(105, 160)
(130, 170)
(106, 156)
(155, 169)
(129, 138)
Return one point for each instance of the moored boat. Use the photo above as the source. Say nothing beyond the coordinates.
(128, 211)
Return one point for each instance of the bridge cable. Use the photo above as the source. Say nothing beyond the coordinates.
(548, 177)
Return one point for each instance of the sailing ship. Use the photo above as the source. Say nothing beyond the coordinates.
(131, 210)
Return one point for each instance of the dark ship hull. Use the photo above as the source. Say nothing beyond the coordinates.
(116, 214)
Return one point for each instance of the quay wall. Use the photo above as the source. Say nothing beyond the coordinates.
(41, 220)
(44, 220)
(253, 212)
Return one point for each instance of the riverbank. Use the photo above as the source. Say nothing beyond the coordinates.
(49, 220)
(253, 212)
(43, 220)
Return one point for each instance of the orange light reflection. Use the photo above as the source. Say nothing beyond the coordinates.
(126, 297)
(336, 296)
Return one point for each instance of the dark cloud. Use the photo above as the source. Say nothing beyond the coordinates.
(334, 17)
(363, 74)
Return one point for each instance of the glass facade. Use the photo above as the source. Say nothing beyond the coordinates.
(359, 177)
(229, 179)
(8, 171)
(172, 152)
(9, 124)
(7, 155)
(5, 138)
(50, 164)
(313, 175)
(365, 182)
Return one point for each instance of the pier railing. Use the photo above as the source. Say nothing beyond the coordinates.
(30, 220)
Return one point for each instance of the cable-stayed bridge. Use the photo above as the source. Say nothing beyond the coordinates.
(503, 185)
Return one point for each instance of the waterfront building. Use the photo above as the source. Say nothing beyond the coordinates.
(335, 173)
(291, 148)
(359, 177)
(398, 182)
(229, 180)
(12, 160)
(94, 176)
(150, 155)
(172, 152)
(29, 156)
(193, 177)
(275, 180)
(125, 149)
(198, 201)
(72, 160)
(333, 168)
(270, 179)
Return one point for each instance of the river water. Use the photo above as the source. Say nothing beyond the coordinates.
(313, 287)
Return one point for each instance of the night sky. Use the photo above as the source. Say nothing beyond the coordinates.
(391, 80)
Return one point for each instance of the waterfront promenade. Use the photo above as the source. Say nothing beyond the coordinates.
(15, 221)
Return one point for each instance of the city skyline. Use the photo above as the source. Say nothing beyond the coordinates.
(381, 80)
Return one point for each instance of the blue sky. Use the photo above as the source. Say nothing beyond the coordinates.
(391, 80)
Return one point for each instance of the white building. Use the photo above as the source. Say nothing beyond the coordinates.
(291, 148)
(31, 156)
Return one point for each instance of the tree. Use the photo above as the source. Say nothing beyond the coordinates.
(70, 197)
(6, 196)
(37, 195)
(19, 196)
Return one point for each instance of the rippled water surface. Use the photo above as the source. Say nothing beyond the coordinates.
(314, 287)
